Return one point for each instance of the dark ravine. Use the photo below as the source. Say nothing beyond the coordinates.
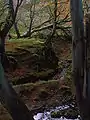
(43, 75)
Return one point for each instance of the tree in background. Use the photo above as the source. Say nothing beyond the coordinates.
(38, 18)
(32, 13)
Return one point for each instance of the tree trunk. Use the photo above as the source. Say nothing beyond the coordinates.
(88, 52)
(49, 40)
(55, 18)
(32, 12)
(28, 34)
(79, 59)
(17, 30)
(11, 100)
(2, 50)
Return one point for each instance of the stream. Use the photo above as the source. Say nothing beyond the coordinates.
(46, 115)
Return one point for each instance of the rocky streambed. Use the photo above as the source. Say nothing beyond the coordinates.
(58, 113)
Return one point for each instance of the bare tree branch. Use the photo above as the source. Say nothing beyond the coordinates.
(10, 18)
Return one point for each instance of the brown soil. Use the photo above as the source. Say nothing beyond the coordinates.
(41, 95)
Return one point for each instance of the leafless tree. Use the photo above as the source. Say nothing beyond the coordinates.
(32, 12)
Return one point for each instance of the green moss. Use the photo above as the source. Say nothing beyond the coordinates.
(26, 40)
(32, 77)
(43, 85)
(14, 43)
(67, 113)
(71, 114)
(43, 74)
(56, 114)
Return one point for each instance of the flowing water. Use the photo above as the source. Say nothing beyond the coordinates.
(46, 115)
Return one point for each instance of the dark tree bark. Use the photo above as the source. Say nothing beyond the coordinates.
(17, 30)
(8, 97)
(79, 54)
(55, 18)
(12, 101)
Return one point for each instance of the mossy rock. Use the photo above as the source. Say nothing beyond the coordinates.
(71, 114)
(67, 113)
(33, 77)
(56, 114)
(42, 58)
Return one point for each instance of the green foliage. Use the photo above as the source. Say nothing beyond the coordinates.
(56, 114)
